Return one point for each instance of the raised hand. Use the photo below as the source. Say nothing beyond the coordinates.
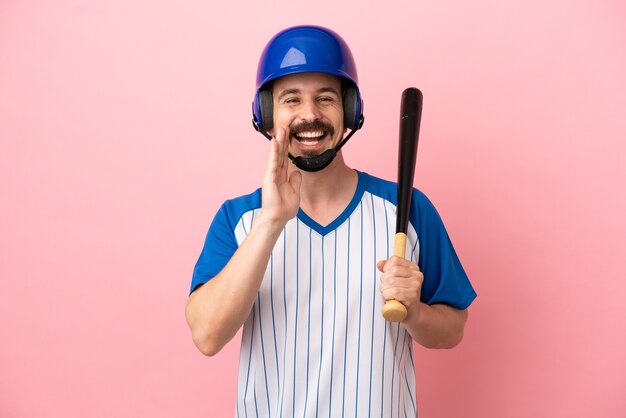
(281, 190)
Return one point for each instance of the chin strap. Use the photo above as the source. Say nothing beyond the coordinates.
(320, 162)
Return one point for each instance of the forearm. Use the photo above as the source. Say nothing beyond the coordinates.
(216, 310)
(436, 326)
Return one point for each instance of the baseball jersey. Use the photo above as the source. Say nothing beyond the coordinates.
(315, 343)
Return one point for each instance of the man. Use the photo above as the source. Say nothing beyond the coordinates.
(305, 265)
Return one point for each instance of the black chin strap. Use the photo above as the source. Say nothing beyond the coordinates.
(320, 162)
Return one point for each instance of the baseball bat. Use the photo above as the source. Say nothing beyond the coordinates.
(410, 117)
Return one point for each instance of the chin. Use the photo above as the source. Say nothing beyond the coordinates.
(310, 154)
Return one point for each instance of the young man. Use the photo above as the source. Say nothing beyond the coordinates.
(305, 265)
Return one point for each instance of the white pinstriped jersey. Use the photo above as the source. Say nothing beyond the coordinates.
(315, 343)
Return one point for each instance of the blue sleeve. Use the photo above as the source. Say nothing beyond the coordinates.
(219, 247)
(445, 280)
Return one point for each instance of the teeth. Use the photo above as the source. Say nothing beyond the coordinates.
(311, 134)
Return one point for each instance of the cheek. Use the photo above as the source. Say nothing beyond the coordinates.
(282, 119)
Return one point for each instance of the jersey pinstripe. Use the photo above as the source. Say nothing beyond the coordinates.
(315, 343)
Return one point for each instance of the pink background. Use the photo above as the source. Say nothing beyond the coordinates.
(124, 125)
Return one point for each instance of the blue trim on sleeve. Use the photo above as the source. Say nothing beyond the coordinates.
(220, 243)
(445, 280)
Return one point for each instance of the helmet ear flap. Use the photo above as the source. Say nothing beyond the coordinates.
(266, 109)
(351, 107)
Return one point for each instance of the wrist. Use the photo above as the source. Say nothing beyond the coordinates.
(415, 315)
(268, 225)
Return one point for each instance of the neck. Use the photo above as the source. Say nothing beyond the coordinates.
(326, 193)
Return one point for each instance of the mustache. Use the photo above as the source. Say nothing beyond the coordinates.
(317, 125)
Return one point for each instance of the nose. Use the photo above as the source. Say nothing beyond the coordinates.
(310, 111)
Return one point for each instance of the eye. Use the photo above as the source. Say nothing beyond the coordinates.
(326, 99)
(291, 100)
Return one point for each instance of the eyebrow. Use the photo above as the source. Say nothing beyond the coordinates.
(328, 90)
(286, 92)
(296, 91)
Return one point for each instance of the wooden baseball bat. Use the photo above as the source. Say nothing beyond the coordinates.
(410, 117)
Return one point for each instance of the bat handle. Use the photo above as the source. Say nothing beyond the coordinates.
(393, 310)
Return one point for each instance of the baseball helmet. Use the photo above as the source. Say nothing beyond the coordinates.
(305, 49)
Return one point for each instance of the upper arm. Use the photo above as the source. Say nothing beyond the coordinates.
(445, 280)
(219, 246)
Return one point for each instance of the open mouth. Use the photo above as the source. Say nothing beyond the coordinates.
(311, 134)
(310, 137)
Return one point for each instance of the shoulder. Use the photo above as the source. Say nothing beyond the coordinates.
(234, 209)
(376, 186)
(388, 190)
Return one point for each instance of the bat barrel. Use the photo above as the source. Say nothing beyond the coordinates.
(410, 118)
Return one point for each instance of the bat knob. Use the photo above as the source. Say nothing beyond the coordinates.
(394, 311)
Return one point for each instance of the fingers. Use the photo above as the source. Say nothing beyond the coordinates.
(407, 291)
(401, 280)
(272, 163)
(279, 139)
(277, 164)
(396, 264)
